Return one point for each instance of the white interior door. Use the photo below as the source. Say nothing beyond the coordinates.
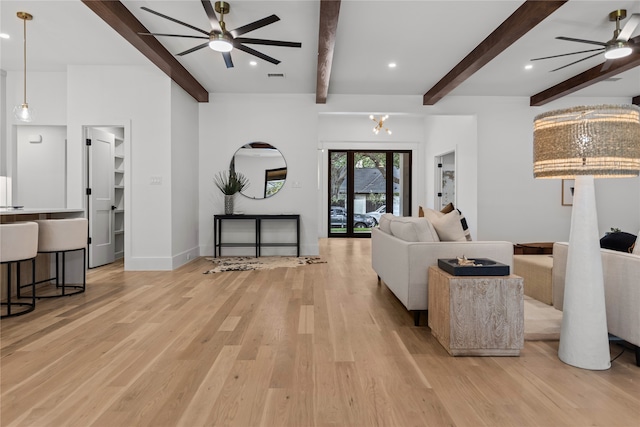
(101, 200)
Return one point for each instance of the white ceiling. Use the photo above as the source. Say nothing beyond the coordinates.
(425, 38)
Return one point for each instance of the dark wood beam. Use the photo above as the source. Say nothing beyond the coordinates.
(636, 100)
(329, 12)
(122, 20)
(587, 78)
(526, 17)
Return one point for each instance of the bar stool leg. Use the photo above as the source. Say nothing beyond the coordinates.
(9, 289)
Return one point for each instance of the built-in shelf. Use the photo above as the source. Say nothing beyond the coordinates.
(118, 218)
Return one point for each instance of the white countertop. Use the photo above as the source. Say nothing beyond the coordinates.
(31, 211)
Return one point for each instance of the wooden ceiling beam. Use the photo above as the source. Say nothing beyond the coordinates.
(591, 76)
(122, 20)
(329, 12)
(526, 17)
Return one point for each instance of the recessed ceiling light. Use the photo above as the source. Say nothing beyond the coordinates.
(253, 63)
(4, 36)
(392, 65)
(528, 66)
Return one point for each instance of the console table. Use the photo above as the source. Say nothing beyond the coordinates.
(257, 243)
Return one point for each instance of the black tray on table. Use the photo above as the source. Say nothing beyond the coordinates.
(484, 267)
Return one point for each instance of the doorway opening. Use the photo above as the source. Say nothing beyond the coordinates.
(445, 180)
(105, 192)
(363, 186)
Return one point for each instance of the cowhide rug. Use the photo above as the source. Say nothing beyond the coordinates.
(242, 263)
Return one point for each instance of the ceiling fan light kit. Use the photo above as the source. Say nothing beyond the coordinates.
(22, 112)
(221, 40)
(617, 50)
(221, 43)
(617, 47)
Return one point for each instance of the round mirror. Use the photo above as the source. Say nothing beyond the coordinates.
(264, 166)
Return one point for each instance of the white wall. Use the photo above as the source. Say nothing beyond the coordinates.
(353, 129)
(514, 206)
(444, 134)
(46, 95)
(141, 96)
(289, 123)
(184, 177)
(40, 175)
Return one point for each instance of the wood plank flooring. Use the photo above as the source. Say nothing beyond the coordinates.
(317, 345)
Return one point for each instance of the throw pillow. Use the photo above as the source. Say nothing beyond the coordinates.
(431, 214)
(465, 227)
(412, 229)
(618, 241)
(420, 212)
(636, 246)
(447, 208)
(449, 227)
(385, 223)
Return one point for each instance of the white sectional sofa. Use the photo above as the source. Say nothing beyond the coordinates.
(403, 249)
(621, 273)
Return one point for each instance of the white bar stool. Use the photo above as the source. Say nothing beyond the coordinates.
(60, 236)
(18, 242)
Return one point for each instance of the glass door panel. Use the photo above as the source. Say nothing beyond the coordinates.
(338, 179)
(364, 186)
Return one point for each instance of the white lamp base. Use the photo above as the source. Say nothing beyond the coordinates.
(584, 341)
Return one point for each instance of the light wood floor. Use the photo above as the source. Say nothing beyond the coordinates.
(317, 345)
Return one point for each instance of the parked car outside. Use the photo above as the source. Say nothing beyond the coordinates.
(378, 213)
(339, 218)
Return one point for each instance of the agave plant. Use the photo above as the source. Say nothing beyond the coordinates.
(230, 182)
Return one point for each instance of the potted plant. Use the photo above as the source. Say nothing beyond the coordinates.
(230, 182)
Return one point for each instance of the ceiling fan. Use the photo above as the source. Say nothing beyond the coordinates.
(223, 41)
(618, 47)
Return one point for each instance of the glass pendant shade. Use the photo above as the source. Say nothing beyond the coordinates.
(23, 113)
(602, 141)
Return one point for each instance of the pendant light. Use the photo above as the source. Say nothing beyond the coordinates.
(22, 112)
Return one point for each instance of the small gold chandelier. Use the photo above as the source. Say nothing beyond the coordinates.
(22, 112)
(380, 124)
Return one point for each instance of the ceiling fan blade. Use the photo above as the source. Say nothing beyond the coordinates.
(256, 53)
(227, 59)
(193, 49)
(575, 62)
(173, 35)
(211, 14)
(567, 54)
(629, 27)
(569, 39)
(267, 42)
(174, 20)
(607, 64)
(254, 25)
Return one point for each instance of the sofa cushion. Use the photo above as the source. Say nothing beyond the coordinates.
(411, 229)
(449, 227)
(385, 222)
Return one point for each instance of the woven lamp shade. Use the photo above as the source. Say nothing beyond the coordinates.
(600, 140)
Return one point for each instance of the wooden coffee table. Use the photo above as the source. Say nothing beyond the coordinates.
(476, 315)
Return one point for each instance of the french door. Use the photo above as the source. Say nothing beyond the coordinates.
(363, 186)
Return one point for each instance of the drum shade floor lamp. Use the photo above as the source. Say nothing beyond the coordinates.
(584, 143)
